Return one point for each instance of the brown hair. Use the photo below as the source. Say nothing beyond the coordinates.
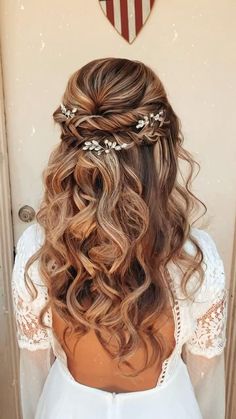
(113, 221)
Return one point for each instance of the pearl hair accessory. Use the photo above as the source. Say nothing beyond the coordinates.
(67, 112)
(109, 145)
(150, 119)
(95, 145)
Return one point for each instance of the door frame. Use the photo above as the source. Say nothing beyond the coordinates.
(9, 354)
(231, 342)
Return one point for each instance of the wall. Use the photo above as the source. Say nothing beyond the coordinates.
(190, 44)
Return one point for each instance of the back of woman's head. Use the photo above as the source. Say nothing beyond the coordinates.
(114, 219)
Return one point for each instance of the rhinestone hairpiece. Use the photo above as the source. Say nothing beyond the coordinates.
(150, 119)
(109, 145)
(95, 145)
(67, 112)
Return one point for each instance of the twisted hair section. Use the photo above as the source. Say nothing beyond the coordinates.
(113, 221)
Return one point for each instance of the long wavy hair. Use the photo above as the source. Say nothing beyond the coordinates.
(113, 221)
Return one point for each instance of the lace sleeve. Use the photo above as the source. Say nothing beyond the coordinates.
(209, 337)
(35, 354)
(30, 334)
(203, 352)
(209, 309)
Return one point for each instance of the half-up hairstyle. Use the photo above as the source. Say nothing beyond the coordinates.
(113, 221)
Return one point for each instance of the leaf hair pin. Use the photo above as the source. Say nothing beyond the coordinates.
(95, 145)
(67, 112)
(150, 119)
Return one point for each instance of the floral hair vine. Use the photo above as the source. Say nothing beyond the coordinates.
(67, 112)
(150, 119)
(109, 145)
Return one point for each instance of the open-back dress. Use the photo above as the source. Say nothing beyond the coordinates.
(191, 384)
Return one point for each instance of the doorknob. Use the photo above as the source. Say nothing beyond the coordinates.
(26, 213)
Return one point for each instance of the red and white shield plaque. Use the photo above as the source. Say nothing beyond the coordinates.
(127, 16)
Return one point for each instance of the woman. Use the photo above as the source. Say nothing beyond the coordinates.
(120, 302)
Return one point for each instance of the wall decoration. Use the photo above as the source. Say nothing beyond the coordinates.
(127, 16)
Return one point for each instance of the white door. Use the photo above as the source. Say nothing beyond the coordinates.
(190, 44)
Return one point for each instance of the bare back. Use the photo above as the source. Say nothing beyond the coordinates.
(91, 365)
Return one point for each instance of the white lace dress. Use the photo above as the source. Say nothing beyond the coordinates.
(191, 384)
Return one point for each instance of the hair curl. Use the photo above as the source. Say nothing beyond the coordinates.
(113, 222)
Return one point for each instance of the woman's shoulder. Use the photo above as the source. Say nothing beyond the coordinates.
(213, 287)
(205, 240)
(212, 262)
(31, 239)
(27, 245)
